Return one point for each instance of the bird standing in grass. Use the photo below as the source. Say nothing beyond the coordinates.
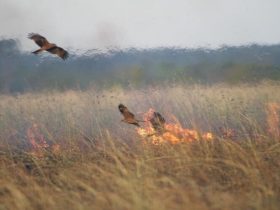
(45, 45)
(128, 116)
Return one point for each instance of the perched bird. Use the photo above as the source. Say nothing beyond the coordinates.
(45, 45)
(158, 122)
(128, 116)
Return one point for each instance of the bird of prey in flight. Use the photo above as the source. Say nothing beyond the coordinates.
(128, 116)
(43, 43)
(158, 122)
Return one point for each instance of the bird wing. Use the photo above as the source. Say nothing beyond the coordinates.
(159, 117)
(38, 39)
(59, 51)
(157, 122)
(127, 114)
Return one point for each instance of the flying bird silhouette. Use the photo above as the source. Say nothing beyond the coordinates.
(128, 116)
(43, 43)
(158, 122)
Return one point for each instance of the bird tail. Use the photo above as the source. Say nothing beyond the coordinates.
(137, 124)
(37, 51)
(141, 121)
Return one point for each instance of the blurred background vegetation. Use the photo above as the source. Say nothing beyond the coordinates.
(22, 71)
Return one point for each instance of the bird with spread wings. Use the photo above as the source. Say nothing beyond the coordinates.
(43, 43)
(128, 116)
(158, 122)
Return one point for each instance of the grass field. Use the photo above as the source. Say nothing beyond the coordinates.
(70, 151)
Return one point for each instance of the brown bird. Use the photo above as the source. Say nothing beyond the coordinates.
(45, 45)
(128, 116)
(158, 122)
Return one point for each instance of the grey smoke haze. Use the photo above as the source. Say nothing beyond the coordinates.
(89, 24)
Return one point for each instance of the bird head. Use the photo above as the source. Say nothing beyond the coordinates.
(122, 107)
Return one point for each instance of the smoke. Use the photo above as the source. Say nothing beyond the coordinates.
(142, 24)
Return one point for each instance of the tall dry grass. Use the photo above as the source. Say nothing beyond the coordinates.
(103, 164)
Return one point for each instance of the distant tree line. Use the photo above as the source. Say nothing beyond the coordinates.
(21, 71)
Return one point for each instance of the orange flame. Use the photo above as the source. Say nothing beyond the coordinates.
(272, 119)
(39, 143)
(173, 133)
(37, 140)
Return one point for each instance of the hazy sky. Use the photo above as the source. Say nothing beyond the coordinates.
(88, 24)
